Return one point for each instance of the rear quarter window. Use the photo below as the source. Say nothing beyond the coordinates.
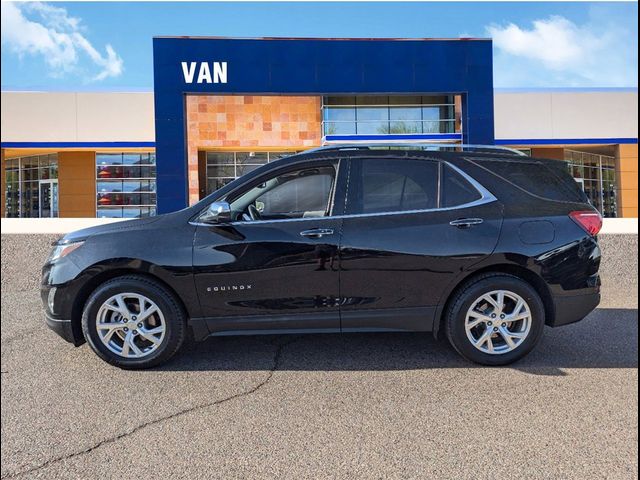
(541, 179)
(456, 190)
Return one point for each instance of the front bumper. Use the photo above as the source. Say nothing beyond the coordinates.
(60, 321)
(62, 327)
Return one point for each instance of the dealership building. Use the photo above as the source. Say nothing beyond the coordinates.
(221, 107)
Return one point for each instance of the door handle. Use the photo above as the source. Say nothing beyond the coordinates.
(466, 222)
(316, 232)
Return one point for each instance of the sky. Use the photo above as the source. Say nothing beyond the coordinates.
(107, 46)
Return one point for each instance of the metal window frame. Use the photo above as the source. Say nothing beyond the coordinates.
(600, 168)
(20, 180)
(388, 106)
(50, 181)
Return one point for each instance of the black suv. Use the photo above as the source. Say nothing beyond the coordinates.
(482, 245)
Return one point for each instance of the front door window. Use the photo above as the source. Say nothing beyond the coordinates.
(302, 193)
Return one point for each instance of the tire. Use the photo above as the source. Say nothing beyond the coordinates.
(151, 339)
(500, 341)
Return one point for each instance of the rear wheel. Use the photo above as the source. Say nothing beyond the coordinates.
(495, 319)
(133, 322)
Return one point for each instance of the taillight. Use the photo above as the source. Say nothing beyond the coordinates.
(589, 220)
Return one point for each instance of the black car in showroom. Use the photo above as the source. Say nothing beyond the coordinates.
(482, 245)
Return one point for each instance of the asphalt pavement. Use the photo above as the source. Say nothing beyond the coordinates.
(321, 406)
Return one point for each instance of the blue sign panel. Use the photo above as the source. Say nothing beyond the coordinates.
(185, 66)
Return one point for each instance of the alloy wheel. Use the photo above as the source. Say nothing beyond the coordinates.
(130, 325)
(498, 322)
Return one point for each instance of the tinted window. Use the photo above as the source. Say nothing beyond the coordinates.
(302, 192)
(393, 186)
(538, 178)
(294, 194)
(456, 190)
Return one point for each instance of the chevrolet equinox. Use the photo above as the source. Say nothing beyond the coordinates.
(481, 245)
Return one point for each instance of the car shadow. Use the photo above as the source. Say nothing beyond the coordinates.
(608, 338)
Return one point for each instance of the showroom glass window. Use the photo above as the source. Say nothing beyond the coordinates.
(31, 186)
(389, 114)
(126, 185)
(596, 174)
(222, 167)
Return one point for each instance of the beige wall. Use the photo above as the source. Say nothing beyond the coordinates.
(118, 117)
(566, 115)
(77, 117)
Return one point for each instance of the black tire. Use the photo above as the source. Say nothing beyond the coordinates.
(464, 298)
(175, 320)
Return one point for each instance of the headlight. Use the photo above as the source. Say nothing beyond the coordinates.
(62, 250)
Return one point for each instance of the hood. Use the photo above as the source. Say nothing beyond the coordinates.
(85, 233)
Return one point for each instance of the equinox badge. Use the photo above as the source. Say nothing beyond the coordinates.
(228, 288)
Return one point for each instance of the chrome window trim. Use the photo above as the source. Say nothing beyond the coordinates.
(485, 197)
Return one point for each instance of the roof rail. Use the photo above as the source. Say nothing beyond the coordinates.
(457, 147)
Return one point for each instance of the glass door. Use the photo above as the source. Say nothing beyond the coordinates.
(48, 195)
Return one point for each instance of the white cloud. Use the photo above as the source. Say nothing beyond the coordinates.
(557, 52)
(42, 29)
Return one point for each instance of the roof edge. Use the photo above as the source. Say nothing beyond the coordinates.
(399, 39)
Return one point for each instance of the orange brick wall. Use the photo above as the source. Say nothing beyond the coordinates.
(627, 170)
(552, 153)
(237, 122)
(77, 184)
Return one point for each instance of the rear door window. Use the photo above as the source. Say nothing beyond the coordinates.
(389, 185)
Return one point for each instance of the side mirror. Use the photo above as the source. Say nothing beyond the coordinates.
(218, 212)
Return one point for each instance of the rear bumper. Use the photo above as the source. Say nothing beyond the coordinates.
(573, 308)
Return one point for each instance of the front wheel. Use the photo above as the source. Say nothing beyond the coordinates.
(495, 319)
(133, 322)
